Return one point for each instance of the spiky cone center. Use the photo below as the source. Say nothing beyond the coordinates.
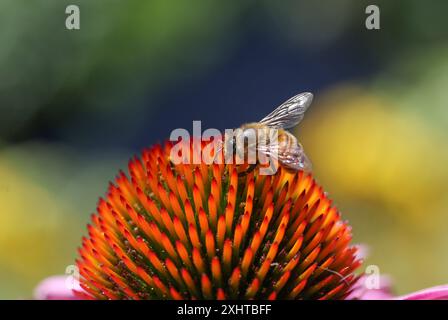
(191, 231)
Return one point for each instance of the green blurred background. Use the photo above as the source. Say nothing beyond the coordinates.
(76, 105)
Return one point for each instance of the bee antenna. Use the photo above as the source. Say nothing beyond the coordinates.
(344, 279)
(218, 151)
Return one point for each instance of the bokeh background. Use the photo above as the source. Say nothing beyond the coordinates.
(76, 105)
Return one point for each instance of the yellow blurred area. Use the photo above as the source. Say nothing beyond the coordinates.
(46, 194)
(386, 168)
(379, 153)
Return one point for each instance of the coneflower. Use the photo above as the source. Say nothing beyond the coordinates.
(188, 231)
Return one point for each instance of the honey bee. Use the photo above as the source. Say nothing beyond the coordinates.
(278, 144)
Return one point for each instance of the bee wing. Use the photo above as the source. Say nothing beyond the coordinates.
(293, 158)
(290, 113)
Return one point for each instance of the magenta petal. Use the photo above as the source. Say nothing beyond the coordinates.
(55, 288)
(361, 292)
(434, 293)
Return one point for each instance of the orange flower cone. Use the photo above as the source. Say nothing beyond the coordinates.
(190, 231)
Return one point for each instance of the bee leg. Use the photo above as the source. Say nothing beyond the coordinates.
(248, 170)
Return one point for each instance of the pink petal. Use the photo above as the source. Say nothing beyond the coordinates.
(56, 288)
(434, 293)
(361, 292)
